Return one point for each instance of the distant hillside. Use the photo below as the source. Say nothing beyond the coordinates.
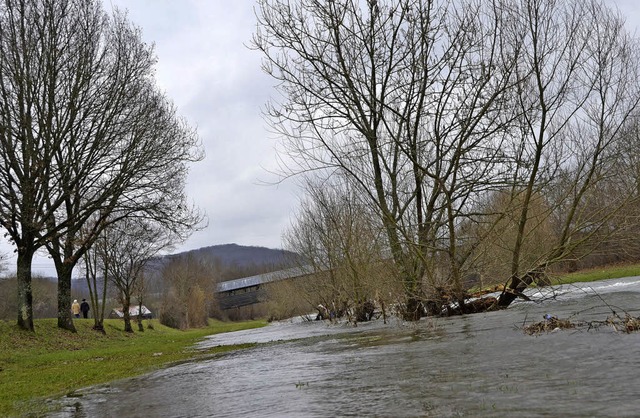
(234, 261)
(241, 256)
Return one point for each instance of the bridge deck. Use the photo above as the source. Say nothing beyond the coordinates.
(263, 278)
(248, 290)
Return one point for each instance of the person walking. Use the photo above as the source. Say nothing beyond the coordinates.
(84, 307)
(75, 308)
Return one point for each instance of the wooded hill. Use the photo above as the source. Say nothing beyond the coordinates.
(233, 261)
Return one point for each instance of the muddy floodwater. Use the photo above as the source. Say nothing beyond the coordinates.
(475, 365)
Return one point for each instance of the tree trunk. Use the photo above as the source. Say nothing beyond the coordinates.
(64, 271)
(140, 326)
(104, 294)
(25, 295)
(98, 314)
(516, 287)
(126, 302)
(103, 304)
(94, 293)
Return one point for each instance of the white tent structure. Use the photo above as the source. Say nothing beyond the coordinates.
(117, 313)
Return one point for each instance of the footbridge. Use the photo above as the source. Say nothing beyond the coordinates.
(251, 290)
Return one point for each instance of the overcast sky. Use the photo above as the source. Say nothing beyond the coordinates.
(216, 82)
(206, 68)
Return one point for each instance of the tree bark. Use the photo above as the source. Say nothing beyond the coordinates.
(64, 271)
(126, 303)
(140, 326)
(516, 286)
(25, 295)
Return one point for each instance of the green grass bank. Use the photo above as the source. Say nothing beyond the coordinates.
(52, 362)
(600, 273)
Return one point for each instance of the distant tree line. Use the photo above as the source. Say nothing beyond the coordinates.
(179, 289)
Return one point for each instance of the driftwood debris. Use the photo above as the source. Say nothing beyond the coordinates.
(626, 324)
(550, 324)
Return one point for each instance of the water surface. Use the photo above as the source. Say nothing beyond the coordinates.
(474, 365)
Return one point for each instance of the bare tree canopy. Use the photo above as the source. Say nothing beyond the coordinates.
(84, 133)
(337, 239)
(434, 109)
(124, 250)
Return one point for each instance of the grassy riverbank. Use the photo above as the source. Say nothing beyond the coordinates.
(52, 362)
(600, 273)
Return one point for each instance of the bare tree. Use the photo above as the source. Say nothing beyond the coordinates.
(139, 166)
(188, 293)
(96, 265)
(409, 99)
(617, 242)
(86, 133)
(97, 284)
(342, 241)
(128, 245)
(575, 104)
(26, 148)
(428, 107)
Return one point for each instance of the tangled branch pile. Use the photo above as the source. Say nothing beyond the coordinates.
(551, 323)
(626, 324)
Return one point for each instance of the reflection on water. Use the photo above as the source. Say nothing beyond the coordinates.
(476, 365)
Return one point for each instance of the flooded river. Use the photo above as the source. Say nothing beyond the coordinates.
(475, 365)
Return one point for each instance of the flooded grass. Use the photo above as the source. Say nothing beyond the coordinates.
(53, 362)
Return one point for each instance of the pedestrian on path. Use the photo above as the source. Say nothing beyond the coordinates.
(84, 307)
(75, 308)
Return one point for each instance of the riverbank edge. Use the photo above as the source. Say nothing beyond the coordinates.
(52, 362)
(595, 274)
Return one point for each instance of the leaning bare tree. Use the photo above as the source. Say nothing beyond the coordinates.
(86, 133)
(579, 95)
(408, 99)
